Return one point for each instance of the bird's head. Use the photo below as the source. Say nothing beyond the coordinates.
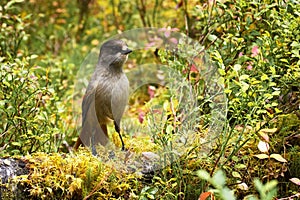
(114, 53)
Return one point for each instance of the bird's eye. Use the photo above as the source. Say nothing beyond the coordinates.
(124, 48)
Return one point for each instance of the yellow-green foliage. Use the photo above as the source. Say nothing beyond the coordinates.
(67, 176)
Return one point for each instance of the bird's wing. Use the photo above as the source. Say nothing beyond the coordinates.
(91, 130)
(119, 99)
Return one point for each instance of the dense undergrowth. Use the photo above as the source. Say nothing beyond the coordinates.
(255, 46)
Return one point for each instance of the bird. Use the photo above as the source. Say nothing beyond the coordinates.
(106, 95)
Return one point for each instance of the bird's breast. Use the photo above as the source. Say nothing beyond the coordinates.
(111, 97)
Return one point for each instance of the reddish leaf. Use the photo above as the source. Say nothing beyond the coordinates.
(151, 91)
(205, 195)
(264, 136)
(141, 117)
(254, 51)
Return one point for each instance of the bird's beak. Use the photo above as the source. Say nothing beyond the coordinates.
(127, 51)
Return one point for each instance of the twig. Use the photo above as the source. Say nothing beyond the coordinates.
(290, 197)
(142, 12)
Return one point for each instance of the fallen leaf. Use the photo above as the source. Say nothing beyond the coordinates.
(296, 181)
(263, 146)
(278, 157)
(262, 156)
(269, 130)
(7, 162)
(243, 186)
(264, 135)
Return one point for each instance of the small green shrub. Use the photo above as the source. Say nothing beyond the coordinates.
(30, 111)
(13, 29)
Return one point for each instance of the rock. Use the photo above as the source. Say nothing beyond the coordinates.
(10, 168)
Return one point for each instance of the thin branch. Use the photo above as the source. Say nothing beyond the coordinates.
(290, 197)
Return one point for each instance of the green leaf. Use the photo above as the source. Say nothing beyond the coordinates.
(244, 86)
(235, 158)
(203, 174)
(244, 77)
(212, 37)
(250, 197)
(219, 178)
(264, 77)
(236, 175)
(284, 60)
(295, 44)
(2, 103)
(227, 194)
(222, 72)
(33, 56)
(258, 185)
(16, 144)
(240, 166)
(169, 129)
(271, 185)
(269, 130)
(227, 91)
(276, 93)
(295, 53)
(237, 67)
(254, 82)
(273, 70)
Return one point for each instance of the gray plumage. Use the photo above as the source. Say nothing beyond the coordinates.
(106, 95)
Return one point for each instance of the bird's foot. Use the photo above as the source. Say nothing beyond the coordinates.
(94, 151)
(123, 148)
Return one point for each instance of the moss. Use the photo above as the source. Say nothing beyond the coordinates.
(73, 176)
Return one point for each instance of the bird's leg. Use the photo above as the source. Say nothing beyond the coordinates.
(103, 139)
(94, 151)
(117, 128)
